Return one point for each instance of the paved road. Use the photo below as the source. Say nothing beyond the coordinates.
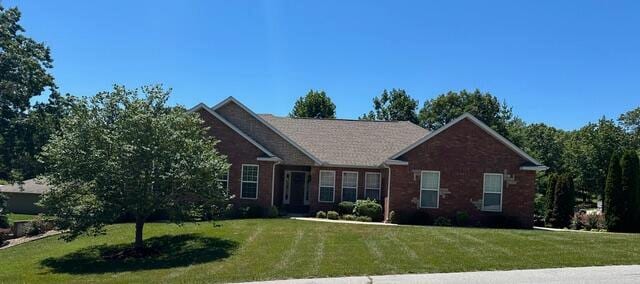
(621, 274)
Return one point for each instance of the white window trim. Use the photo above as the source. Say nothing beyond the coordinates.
(227, 180)
(379, 183)
(484, 190)
(257, 182)
(333, 196)
(424, 189)
(357, 177)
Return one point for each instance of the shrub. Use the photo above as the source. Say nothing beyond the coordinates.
(442, 221)
(564, 201)
(363, 219)
(37, 226)
(273, 212)
(345, 207)
(630, 185)
(550, 197)
(369, 208)
(321, 214)
(4, 221)
(502, 221)
(251, 211)
(418, 218)
(394, 217)
(577, 220)
(333, 215)
(349, 217)
(462, 218)
(613, 199)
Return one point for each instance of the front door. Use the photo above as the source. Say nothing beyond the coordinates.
(297, 187)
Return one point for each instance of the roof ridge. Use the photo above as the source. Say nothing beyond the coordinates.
(338, 119)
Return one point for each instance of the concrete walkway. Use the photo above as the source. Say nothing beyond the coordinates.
(620, 274)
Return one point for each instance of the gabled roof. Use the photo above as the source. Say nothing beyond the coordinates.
(275, 130)
(341, 142)
(233, 127)
(532, 164)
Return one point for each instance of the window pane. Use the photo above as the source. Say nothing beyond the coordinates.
(326, 194)
(250, 173)
(493, 183)
(372, 180)
(249, 190)
(327, 178)
(349, 194)
(350, 179)
(492, 201)
(372, 194)
(429, 198)
(430, 180)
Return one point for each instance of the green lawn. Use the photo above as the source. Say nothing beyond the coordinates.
(20, 217)
(243, 250)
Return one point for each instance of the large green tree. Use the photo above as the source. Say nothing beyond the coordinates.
(631, 122)
(393, 105)
(126, 151)
(587, 154)
(446, 107)
(24, 74)
(316, 104)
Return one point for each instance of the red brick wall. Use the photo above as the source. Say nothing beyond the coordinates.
(315, 205)
(462, 154)
(240, 151)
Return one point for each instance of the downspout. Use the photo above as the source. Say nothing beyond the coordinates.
(386, 217)
(273, 180)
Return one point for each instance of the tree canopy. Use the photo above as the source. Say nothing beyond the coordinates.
(316, 104)
(126, 151)
(393, 105)
(446, 107)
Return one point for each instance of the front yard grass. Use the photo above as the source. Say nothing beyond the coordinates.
(263, 249)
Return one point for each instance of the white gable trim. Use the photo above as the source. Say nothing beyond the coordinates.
(285, 137)
(478, 123)
(227, 123)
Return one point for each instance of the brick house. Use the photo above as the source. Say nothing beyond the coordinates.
(306, 165)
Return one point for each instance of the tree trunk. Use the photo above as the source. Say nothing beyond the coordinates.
(139, 244)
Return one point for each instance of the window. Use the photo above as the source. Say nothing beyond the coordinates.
(249, 187)
(327, 186)
(349, 186)
(224, 180)
(492, 193)
(429, 189)
(372, 186)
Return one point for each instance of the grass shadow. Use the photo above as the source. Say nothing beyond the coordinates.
(170, 252)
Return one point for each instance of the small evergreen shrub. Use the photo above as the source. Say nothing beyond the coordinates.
(273, 212)
(363, 219)
(345, 207)
(550, 197)
(321, 214)
(420, 218)
(251, 211)
(564, 202)
(369, 208)
(333, 215)
(349, 217)
(442, 221)
(462, 218)
(613, 199)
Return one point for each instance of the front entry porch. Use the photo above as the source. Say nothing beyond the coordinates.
(296, 186)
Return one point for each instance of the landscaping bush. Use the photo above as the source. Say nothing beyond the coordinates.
(394, 217)
(550, 197)
(577, 220)
(462, 218)
(502, 221)
(4, 220)
(594, 221)
(321, 214)
(613, 199)
(345, 207)
(630, 183)
(416, 218)
(442, 221)
(349, 217)
(363, 219)
(369, 208)
(273, 212)
(37, 226)
(333, 215)
(251, 211)
(564, 201)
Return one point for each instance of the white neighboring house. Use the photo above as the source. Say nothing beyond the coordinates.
(23, 197)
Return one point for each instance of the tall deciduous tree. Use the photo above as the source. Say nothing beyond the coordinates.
(24, 74)
(128, 152)
(564, 202)
(630, 185)
(614, 203)
(393, 105)
(631, 123)
(316, 104)
(446, 107)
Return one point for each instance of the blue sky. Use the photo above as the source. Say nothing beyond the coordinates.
(560, 62)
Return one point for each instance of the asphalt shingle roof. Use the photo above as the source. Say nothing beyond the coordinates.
(348, 142)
